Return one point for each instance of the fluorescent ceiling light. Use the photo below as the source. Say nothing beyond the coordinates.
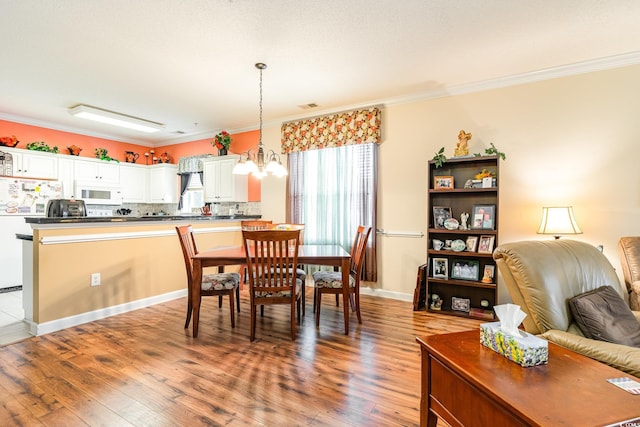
(116, 119)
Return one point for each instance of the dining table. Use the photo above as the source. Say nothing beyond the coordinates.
(329, 255)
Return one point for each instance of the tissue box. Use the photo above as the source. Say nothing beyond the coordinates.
(525, 351)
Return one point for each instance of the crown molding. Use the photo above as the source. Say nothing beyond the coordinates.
(616, 61)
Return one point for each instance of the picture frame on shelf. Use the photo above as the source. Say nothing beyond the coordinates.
(440, 215)
(484, 217)
(440, 268)
(460, 304)
(443, 182)
(485, 245)
(489, 272)
(472, 243)
(465, 269)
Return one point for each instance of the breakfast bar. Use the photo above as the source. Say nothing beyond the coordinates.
(79, 269)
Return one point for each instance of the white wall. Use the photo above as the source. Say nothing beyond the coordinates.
(569, 141)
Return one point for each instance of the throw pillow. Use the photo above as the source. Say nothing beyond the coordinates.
(603, 315)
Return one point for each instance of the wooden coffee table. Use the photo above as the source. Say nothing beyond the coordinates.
(467, 384)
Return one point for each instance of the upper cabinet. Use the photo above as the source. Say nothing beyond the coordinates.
(90, 170)
(163, 183)
(133, 183)
(65, 175)
(220, 184)
(30, 164)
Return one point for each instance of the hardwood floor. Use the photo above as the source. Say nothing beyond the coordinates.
(143, 369)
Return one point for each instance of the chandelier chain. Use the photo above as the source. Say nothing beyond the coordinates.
(260, 141)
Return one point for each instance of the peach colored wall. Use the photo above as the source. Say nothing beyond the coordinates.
(27, 134)
(241, 142)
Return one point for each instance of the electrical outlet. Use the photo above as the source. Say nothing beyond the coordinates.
(95, 279)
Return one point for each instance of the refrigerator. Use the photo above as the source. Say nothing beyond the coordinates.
(19, 198)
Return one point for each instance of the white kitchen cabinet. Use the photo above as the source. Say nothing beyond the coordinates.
(91, 170)
(66, 176)
(163, 183)
(33, 164)
(133, 183)
(220, 184)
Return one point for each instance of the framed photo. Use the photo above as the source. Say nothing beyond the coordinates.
(489, 271)
(440, 268)
(465, 269)
(460, 304)
(443, 182)
(486, 244)
(484, 217)
(472, 243)
(440, 215)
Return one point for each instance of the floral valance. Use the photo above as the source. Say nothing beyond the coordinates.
(334, 130)
(191, 164)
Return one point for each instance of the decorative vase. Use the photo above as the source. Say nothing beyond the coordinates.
(222, 151)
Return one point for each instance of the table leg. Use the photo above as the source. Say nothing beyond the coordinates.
(346, 264)
(195, 294)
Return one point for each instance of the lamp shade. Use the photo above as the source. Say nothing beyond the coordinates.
(558, 220)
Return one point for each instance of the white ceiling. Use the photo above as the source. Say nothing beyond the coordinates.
(190, 63)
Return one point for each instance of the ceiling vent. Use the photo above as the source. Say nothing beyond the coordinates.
(308, 106)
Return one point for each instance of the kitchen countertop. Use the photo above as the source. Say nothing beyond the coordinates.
(127, 218)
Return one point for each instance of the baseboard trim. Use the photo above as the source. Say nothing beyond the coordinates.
(68, 322)
(79, 319)
(386, 294)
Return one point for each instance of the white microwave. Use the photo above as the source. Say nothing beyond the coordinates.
(98, 193)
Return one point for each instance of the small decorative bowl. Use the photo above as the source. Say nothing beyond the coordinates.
(8, 142)
(74, 150)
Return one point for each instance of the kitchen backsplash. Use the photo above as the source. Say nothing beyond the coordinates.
(141, 209)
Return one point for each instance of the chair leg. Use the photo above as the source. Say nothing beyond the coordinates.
(357, 297)
(318, 304)
(304, 303)
(315, 291)
(232, 309)
(189, 308)
(351, 303)
(219, 301)
(293, 319)
(252, 335)
(262, 311)
(238, 297)
(337, 300)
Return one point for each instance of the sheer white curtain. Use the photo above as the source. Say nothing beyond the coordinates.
(332, 191)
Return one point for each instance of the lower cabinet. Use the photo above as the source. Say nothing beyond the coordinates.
(163, 183)
(220, 184)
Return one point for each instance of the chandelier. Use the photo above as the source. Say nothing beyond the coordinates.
(260, 165)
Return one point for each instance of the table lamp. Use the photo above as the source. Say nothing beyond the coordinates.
(558, 220)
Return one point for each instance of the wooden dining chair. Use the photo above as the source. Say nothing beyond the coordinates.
(269, 283)
(300, 273)
(252, 225)
(330, 282)
(218, 284)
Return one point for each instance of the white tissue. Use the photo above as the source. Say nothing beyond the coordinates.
(510, 317)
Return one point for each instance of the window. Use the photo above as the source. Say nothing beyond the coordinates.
(332, 191)
(193, 196)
